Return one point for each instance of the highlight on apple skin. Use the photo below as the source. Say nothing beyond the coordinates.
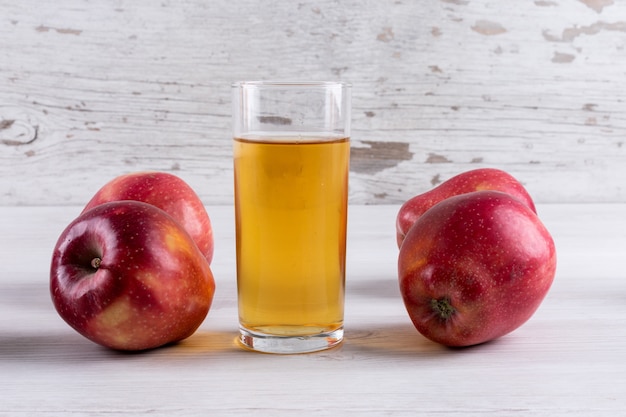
(127, 276)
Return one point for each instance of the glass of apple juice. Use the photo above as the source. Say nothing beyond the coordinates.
(291, 160)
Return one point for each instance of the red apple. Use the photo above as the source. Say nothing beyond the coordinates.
(476, 180)
(128, 276)
(169, 193)
(475, 267)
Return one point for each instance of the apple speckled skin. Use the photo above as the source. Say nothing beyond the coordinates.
(127, 276)
(167, 192)
(481, 179)
(475, 267)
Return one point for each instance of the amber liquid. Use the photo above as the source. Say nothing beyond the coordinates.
(291, 214)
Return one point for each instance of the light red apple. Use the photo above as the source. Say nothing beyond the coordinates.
(127, 276)
(481, 179)
(475, 267)
(167, 192)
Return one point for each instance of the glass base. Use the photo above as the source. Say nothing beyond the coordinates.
(266, 343)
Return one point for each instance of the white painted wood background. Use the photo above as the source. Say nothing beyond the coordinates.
(93, 89)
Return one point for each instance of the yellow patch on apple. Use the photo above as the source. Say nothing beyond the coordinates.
(176, 241)
(119, 315)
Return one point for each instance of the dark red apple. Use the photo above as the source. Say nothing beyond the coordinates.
(475, 267)
(481, 179)
(169, 193)
(128, 276)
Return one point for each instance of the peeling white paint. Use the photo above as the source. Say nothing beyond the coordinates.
(91, 90)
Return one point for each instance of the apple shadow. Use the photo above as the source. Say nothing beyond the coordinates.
(400, 340)
(47, 347)
(70, 347)
(205, 342)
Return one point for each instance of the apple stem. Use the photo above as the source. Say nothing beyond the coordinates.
(95, 263)
(443, 308)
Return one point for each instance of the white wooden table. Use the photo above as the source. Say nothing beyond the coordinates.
(568, 360)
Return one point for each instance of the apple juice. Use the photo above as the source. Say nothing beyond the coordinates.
(291, 213)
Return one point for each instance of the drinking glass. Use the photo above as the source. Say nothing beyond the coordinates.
(291, 161)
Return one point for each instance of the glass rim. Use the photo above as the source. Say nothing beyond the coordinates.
(291, 83)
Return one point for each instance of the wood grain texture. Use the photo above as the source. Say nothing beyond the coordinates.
(90, 90)
(568, 360)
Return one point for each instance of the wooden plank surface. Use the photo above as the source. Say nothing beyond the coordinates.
(90, 90)
(568, 360)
